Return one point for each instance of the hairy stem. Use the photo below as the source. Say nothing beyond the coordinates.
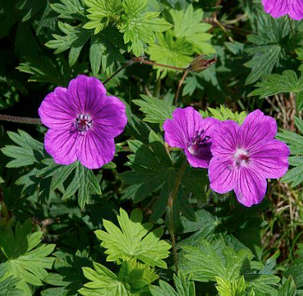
(179, 86)
(170, 204)
(17, 119)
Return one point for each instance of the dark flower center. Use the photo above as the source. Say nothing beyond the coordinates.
(241, 157)
(83, 122)
(199, 141)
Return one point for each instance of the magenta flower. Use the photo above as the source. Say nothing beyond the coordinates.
(278, 8)
(82, 122)
(190, 132)
(245, 156)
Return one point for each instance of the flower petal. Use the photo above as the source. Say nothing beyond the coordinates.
(225, 139)
(56, 111)
(270, 159)
(256, 128)
(276, 8)
(85, 93)
(201, 160)
(61, 145)
(223, 174)
(93, 150)
(296, 10)
(109, 116)
(183, 126)
(250, 188)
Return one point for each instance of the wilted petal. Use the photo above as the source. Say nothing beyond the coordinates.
(61, 145)
(56, 111)
(93, 150)
(250, 188)
(270, 159)
(256, 128)
(223, 174)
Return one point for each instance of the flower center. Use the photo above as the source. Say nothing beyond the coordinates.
(199, 141)
(241, 157)
(83, 123)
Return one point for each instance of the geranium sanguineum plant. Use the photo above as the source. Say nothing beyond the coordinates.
(190, 132)
(83, 122)
(245, 156)
(278, 8)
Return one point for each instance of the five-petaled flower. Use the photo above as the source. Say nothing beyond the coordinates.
(278, 8)
(189, 131)
(82, 122)
(245, 156)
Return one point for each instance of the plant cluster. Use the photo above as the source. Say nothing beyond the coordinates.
(151, 148)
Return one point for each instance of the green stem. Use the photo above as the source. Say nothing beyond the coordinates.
(170, 204)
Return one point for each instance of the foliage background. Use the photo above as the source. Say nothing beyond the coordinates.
(66, 230)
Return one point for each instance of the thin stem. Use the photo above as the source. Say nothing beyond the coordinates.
(170, 204)
(17, 119)
(142, 60)
(291, 26)
(179, 86)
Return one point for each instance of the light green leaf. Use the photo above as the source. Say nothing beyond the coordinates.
(26, 259)
(133, 279)
(184, 287)
(188, 25)
(231, 288)
(140, 26)
(101, 13)
(9, 287)
(156, 110)
(133, 240)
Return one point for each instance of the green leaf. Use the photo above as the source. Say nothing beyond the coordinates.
(231, 288)
(133, 240)
(288, 288)
(95, 54)
(296, 269)
(140, 26)
(184, 287)
(8, 287)
(294, 175)
(218, 262)
(74, 40)
(263, 62)
(274, 84)
(25, 259)
(69, 278)
(268, 43)
(188, 25)
(133, 279)
(170, 51)
(28, 151)
(69, 9)
(224, 113)
(156, 110)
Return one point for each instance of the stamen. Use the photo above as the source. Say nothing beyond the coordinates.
(83, 123)
(241, 157)
(198, 141)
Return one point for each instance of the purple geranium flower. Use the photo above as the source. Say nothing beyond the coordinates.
(278, 8)
(82, 122)
(244, 156)
(189, 131)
